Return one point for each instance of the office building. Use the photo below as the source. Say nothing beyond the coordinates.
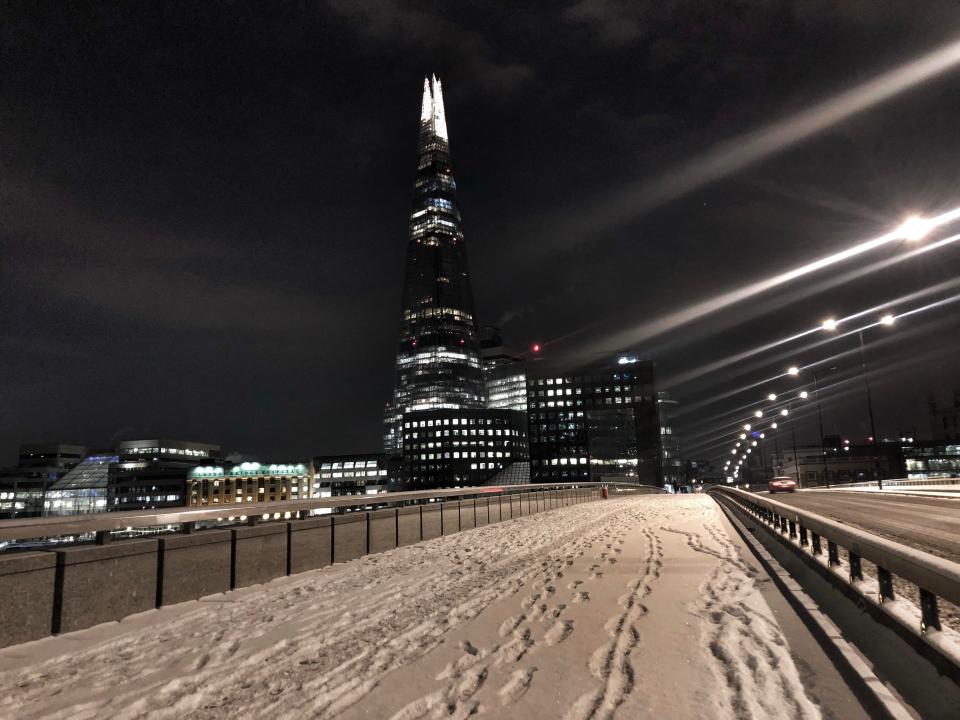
(599, 422)
(359, 474)
(38, 467)
(945, 417)
(504, 373)
(83, 489)
(438, 355)
(249, 482)
(673, 467)
(154, 473)
(455, 448)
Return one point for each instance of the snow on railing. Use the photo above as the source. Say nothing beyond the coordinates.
(936, 578)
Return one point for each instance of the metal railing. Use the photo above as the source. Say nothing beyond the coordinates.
(898, 482)
(820, 539)
(102, 524)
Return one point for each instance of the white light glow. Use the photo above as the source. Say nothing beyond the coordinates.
(746, 426)
(794, 370)
(758, 413)
(887, 319)
(914, 228)
(771, 397)
(784, 412)
(829, 324)
(804, 394)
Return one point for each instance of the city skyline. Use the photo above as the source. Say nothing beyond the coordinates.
(184, 251)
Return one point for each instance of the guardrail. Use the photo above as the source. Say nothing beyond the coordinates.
(898, 482)
(63, 587)
(935, 578)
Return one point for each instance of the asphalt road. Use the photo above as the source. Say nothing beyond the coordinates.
(930, 524)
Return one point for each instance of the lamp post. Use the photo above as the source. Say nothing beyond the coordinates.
(873, 428)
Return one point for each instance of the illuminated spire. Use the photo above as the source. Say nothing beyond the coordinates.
(439, 117)
(426, 107)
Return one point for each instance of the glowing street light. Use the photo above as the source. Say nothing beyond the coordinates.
(754, 443)
(763, 435)
(758, 413)
(737, 445)
(804, 394)
(733, 452)
(793, 370)
(746, 426)
(914, 228)
(771, 397)
(887, 319)
(784, 412)
(773, 426)
(743, 436)
(829, 324)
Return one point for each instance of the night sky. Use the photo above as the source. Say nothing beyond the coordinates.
(204, 206)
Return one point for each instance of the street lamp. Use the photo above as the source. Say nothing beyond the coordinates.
(793, 370)
(829, 324)
(785, 412)
(771, 397)
(914, 228)
(887, 320)
(746, 426)
(758, 413)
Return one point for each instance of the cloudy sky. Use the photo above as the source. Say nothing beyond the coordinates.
(203, 207)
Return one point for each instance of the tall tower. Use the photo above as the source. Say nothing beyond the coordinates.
(438, 356)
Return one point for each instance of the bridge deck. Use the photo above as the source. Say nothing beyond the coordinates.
(636, 607)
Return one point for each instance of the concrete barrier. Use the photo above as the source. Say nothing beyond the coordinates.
(27, 581)
(349, 536)
(381, 530)
(482, 511)
(181, 556)
(468, 514)
(430, 521)
(451, 517)
(310, 544)
(259, 554)
(408, 525)
(100, 583)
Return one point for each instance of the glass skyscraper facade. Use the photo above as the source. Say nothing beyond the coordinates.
(438, 355)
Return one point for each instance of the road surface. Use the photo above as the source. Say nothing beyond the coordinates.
(931, 524)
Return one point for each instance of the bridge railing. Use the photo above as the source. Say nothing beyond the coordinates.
(900, 482)
(141, 560)
(821, 539)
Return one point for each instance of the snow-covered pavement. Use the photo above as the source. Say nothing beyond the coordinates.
(630, 607)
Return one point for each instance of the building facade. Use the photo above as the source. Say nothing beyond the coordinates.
(154, 473)
(359, 474)
(456, 448)
(673, 468)
(249, 482)
(504, 374)
(39, 467)
(596, 423)
(438, 355)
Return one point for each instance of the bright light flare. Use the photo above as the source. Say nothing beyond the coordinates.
(887, 319)
(746, 426)
(773, 426)
(758, 413)
(804, 394)
(784, 412)
(771, 397)
(915, 228)
(793, 370)
(829, 324)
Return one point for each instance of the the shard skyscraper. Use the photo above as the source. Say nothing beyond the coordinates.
(438, 355)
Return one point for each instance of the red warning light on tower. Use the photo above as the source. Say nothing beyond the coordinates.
(535, 347)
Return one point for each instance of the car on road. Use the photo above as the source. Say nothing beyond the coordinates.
(782, 484)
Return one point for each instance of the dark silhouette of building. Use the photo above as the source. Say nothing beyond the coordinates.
(438, 355)
(39, 466)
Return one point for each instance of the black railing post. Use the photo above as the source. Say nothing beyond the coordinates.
(803, 536)
(817, 549)
(793, 528)
(929, 611)
(885, 579)
(833, 554)
(856, 572)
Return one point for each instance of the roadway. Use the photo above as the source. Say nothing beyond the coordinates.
(931, 524)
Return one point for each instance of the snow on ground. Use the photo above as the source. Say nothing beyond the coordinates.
(631, 607)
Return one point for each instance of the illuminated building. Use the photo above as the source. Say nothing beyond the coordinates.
(83, 489)
(250, 482)
(504, 374)
(39, 466)
(358, 474)
(672, 466)
(596, 423)
(438, 356)
(451, 448)
(153, 473)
